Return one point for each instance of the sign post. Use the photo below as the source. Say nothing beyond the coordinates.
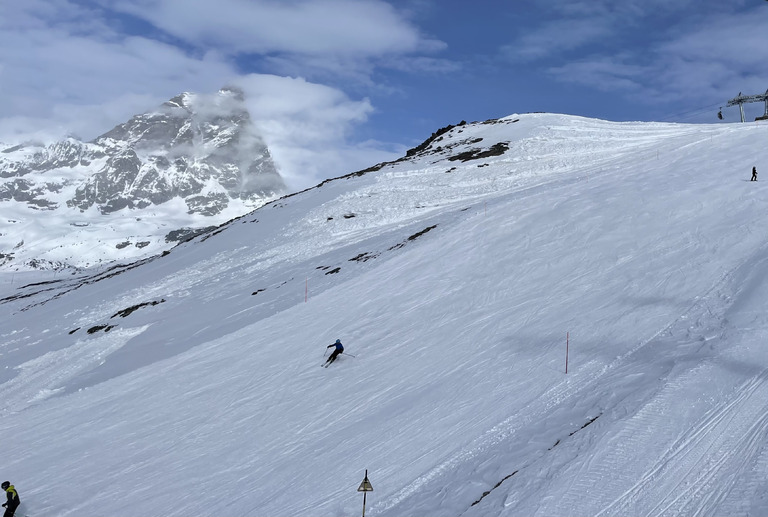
(365, 487)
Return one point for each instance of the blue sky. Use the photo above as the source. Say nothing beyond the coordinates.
(338, 85)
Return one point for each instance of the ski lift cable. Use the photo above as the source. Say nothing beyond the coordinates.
(689, 113)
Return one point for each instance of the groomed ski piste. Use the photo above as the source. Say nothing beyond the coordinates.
(188, 384)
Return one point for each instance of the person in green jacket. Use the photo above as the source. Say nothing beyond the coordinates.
(13, 501)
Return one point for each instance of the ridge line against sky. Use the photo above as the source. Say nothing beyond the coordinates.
(338, 85)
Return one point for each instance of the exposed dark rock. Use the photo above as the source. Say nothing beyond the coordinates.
(25, 191)
(497, 485)
(364, 257)
(495, 150)
(125, 312)
(11, 149)
(426, 143)
(211, 234)
(105, 328)
(185, 234)
(422, 232)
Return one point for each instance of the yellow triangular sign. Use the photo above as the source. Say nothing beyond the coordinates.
(365, 486)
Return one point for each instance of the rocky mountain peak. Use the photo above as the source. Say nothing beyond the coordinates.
(202, 151)
(175, 151)
(182, 100)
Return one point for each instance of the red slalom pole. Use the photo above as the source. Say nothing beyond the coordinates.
(567, 336)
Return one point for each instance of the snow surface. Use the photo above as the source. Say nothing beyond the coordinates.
(69, 239)
(644, 243)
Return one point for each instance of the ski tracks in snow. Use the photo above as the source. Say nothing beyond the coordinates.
(698, 470)
(699, 460)
(693, 462)
(54, 369)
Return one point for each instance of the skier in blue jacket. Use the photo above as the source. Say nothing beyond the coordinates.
(339, 349)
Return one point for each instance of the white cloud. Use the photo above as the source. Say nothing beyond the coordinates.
(711, 62)
(423, 64)
(603, 73)
(624, 11)
(741, 39)
(59, 77)
(363, 28)
(663, 55)
(556, 37)
(71, 69)
(564, 26)
(307, 128)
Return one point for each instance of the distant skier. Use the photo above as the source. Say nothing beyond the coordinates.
(339, 349)
(754, 174)
(13, 499)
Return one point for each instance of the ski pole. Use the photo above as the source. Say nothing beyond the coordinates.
(350, 355)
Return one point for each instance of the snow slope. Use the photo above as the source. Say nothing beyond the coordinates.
(453, 283)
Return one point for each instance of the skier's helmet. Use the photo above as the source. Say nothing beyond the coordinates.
(5, 484)
(338, 340)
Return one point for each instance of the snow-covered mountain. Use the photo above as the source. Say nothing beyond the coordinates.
(193, 163)
(457, 278)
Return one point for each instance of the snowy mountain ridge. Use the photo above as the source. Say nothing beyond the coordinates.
(193, 163)
(453, 277)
